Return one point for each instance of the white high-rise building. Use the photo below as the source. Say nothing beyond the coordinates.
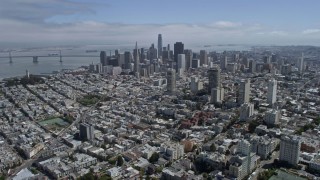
(195, 84)
(246, 111)
(272, 117)
(244, 91)
(272, 92)
(290, 149)
(300, 64)
(27, 74)
(244, 147)
(181, 62)
(171, 80)
(245, 162)
(174, 151)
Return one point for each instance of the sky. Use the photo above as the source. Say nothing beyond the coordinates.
(36, 23)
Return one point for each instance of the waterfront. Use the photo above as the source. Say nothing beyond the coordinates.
(47, 65)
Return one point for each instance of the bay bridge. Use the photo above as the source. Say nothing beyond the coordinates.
(35, 58)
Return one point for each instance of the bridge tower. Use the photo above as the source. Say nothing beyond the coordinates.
(35, 59)
(60, 56)
(10, 57)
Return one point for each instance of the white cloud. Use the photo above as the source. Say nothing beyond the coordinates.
(40, 22)
(226, 24)
(38, 11)
(91, 32)
(311, 31)
(279, 33)
(16, 32)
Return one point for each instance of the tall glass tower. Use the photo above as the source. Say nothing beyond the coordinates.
(159, 45)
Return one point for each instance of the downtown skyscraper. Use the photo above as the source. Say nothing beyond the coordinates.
(136, 60)
(272, 92)
(203, 57)
(159, 45)
(103, 58)
(178, 49)
(244, 91)
(214, 78)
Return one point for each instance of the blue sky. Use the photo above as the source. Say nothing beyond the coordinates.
(73, 22)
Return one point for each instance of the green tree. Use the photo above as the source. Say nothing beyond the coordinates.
(252, 126)
(154, 157)
(88, 176)
(141, 172)
(265, 175)
(317, 121)
(120, 161)
(105, 177)
(103, 146)
(159, 169)
(205, 175)
(212, 147)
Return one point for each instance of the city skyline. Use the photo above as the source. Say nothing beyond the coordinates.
(67, 22)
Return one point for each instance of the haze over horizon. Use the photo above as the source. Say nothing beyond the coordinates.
(35, 23)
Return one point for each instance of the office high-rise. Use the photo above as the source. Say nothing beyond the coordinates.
(181, 62)
(217, 95)
(127, 60)
(290, 149)
(195, 84)
(195, 63)
(120, 58)
(272, 117)
(136, 59)
(143, 54)
(272, 92)
(252, 66)
(178, 49)
(116, 52)
(188, 56)
(103, 58)
(246, 111)
(152, 52)
(159, 45)
(203, 57)
(244, 147)
(224, 62)
(244, 91)
(171, 80)
(86, 131)
(300, 64)
(214, 78)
